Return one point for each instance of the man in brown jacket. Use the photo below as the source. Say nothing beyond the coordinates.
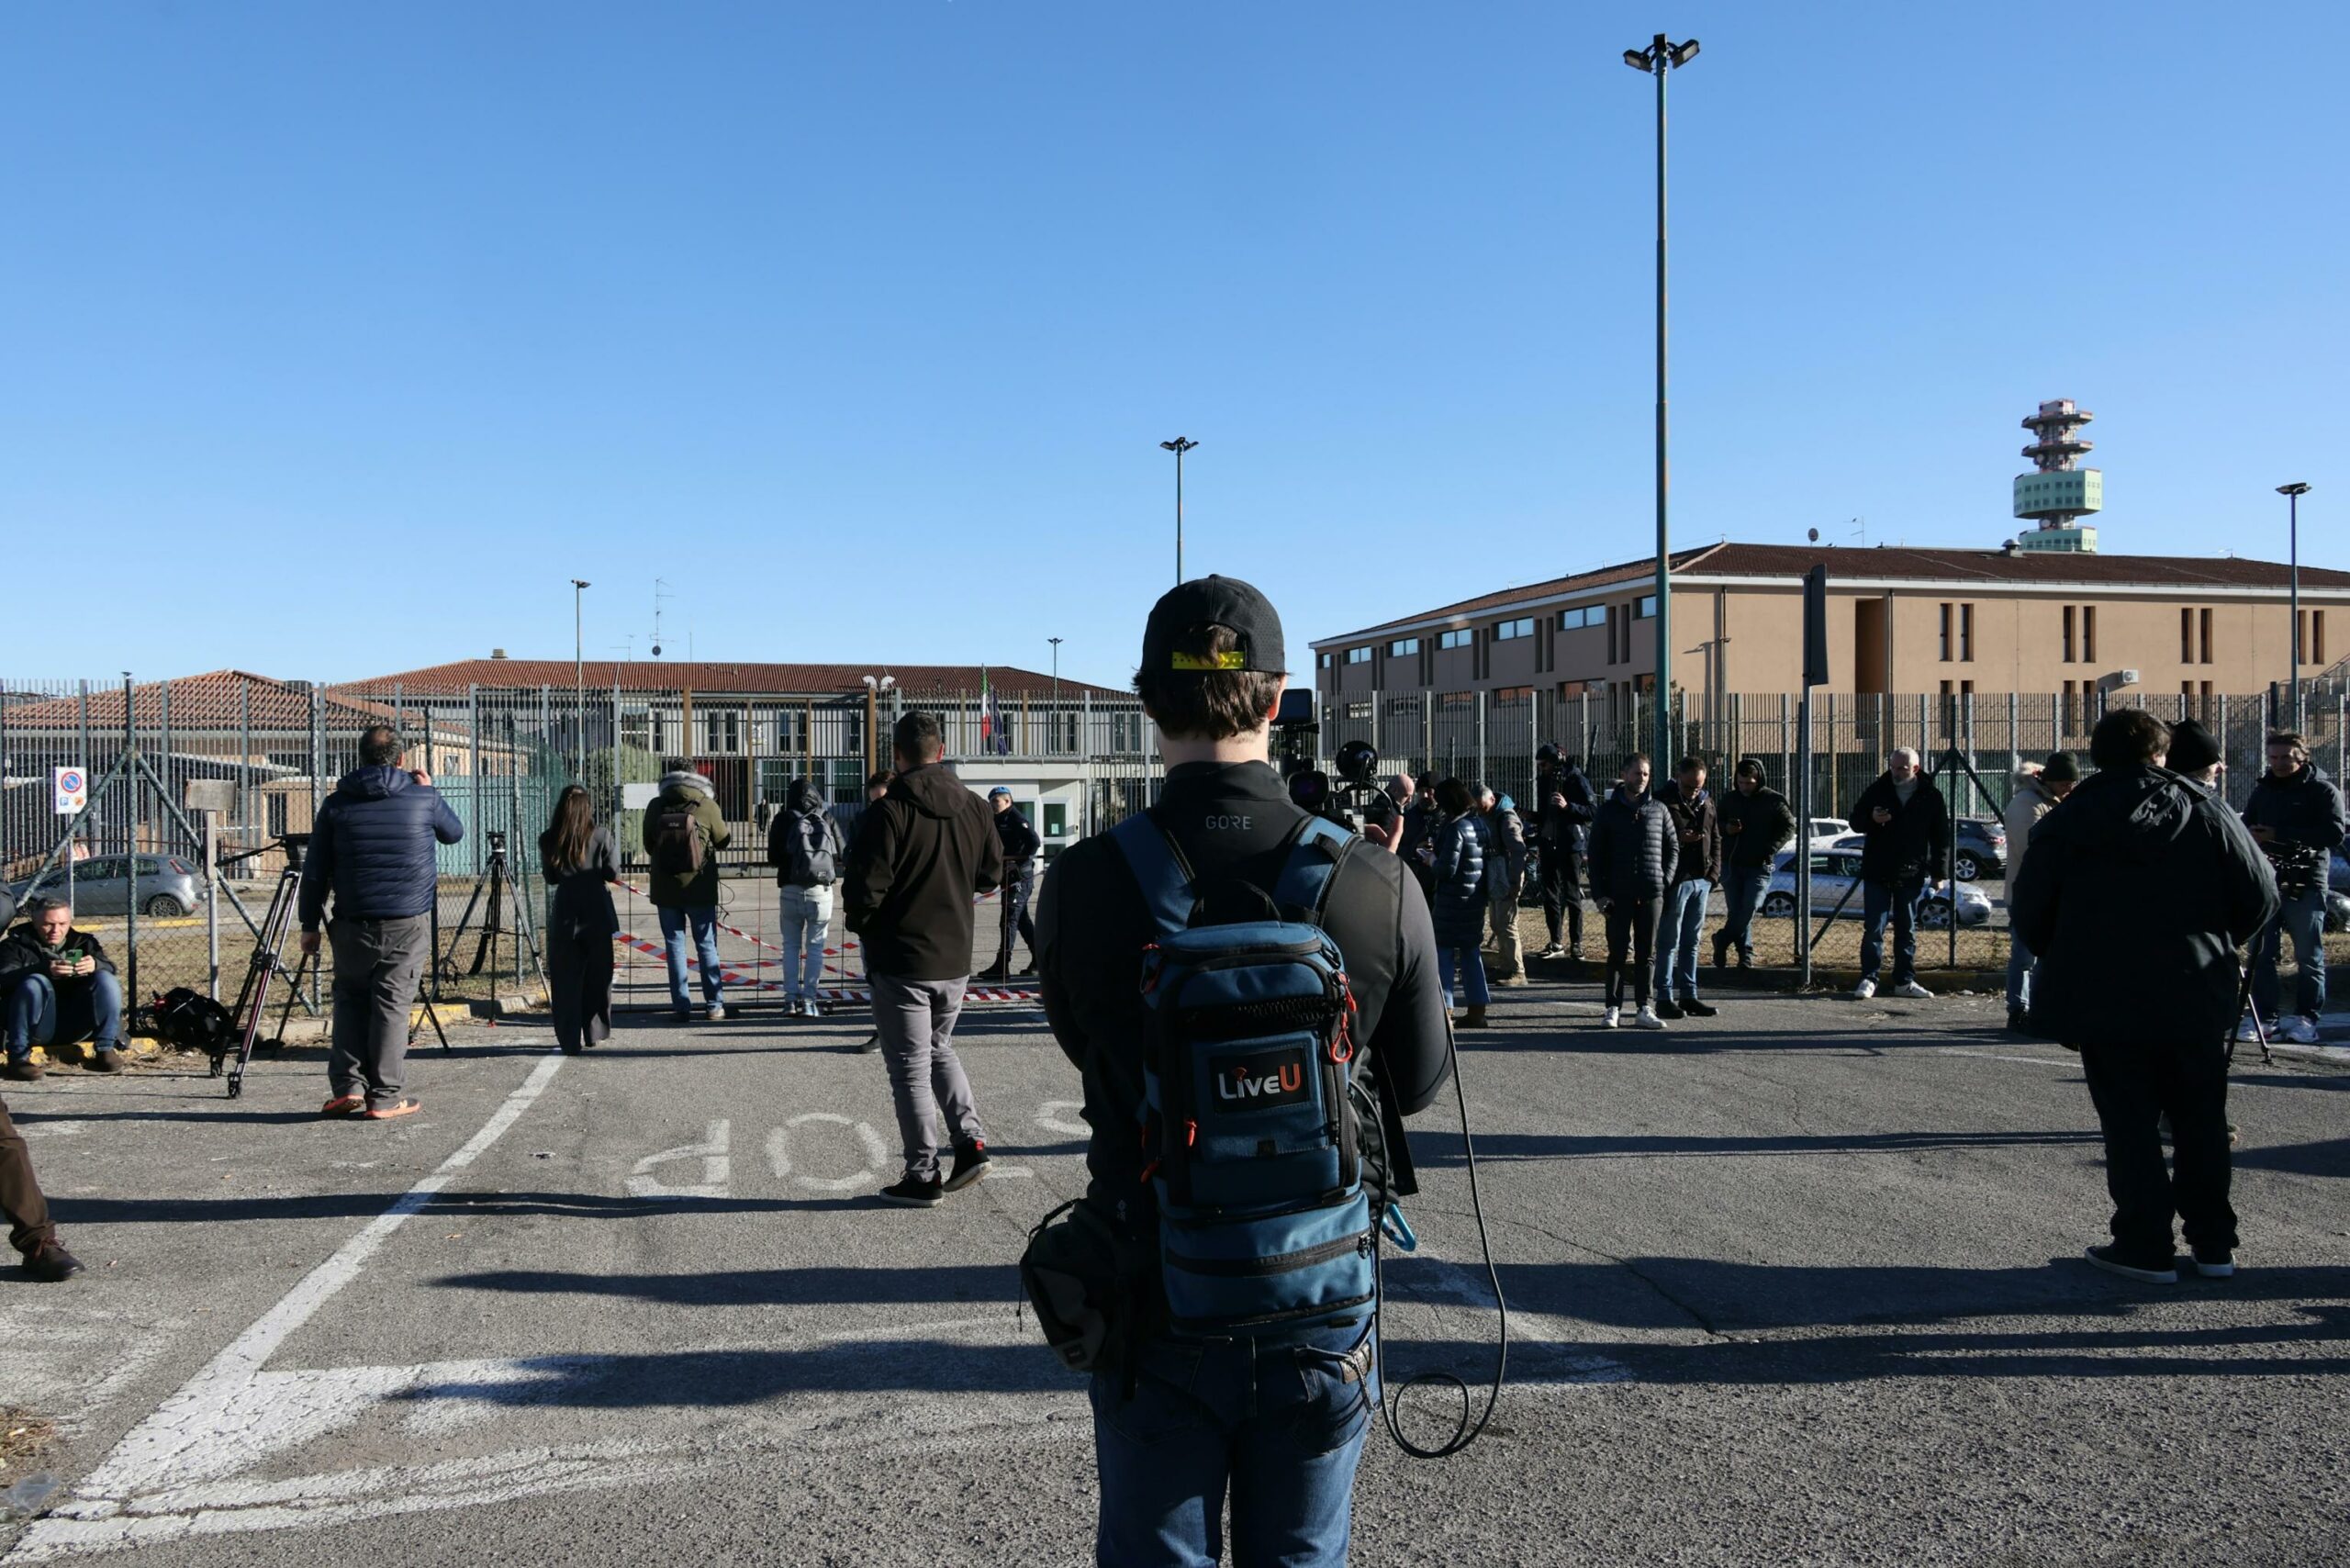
(922, 854)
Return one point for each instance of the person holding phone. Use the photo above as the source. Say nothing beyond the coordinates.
(60, 987)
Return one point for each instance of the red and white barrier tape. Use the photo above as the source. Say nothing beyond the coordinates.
(729, 976)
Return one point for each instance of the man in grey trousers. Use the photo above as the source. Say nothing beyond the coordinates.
(922, 854)
(372, 846)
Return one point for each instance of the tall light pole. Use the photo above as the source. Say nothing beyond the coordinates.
(2293, 494)
(578, 680)
(1179, 446)
(1659, 60)
(1056, 641)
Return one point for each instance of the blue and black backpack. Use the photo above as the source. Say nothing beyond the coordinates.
(1249, 1129)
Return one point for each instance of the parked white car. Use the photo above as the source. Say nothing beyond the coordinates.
(1833, 872)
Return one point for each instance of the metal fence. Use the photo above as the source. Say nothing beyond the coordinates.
(247, 759)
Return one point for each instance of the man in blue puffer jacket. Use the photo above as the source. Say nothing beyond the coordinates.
(372, 848)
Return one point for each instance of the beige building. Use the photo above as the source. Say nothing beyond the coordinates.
(1899, 620)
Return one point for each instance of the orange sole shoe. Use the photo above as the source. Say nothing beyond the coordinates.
(386, 1112)
(343, 1105)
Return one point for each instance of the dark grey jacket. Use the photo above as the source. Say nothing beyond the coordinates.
(1634, 851)
(372, 846)
(2306, 810)
(2135, 897)
(581, 911)
(1766, 825)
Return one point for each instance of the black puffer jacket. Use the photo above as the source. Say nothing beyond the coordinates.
(1461, 894)
(372, 846)
(2306, 808)
(1696, 829)
(924, 851)
(1910, 846)
(2135, 897)
(1633, 850)
(1766, 825)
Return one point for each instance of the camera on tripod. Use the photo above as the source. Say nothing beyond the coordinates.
(2298, 867)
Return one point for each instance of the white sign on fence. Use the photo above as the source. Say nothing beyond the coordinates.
(72, 789)
(636, 797)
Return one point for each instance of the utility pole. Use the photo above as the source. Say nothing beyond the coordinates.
(578, 680)
(1659, 60)
(1179, 446)
(2293, 494)
(1056, 641)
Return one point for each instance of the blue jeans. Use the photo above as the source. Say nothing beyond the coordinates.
(1677, 938)
(704, 922)
(1899, 901)
(1745, 889)
(2302, 919)
(2021, 967)
(40, 1015)
(807, 919)
(1279, 1426)
(1471, 965)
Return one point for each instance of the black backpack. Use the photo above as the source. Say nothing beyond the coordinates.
(806, 844)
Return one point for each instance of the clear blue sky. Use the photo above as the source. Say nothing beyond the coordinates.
(338, 338)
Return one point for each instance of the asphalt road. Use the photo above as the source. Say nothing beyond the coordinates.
(1800, 1286)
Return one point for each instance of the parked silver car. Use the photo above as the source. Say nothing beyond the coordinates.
(1833, 872)
(167, 886)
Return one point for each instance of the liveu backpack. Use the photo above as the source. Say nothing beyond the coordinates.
(1249, 1129)
(677, 843)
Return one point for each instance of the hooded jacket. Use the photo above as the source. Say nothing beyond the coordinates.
(372, 846)
(804, 819)
(1565, 828)
(671, 890)
(1696, 831)
(1766, 825)
(1461, 845)
(2032, 799)
(922, 853)
(1634, 851)
(2135, 898)
(1904, 849)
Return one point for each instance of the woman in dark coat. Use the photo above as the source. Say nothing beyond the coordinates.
(1459, 847)
(576, 854)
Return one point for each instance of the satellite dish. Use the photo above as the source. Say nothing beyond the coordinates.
(1812, 534)
(656, 650)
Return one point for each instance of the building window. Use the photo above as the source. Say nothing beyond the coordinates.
(2185, 635)
(1967, 633)
(1966, 688)
(1461, 638)
(1358, 656)
(1946, 686)
(1513, 694)
(2316, 645)
(1326, 661)
(2204, 623)
(2068, 641)
(1575, 620)
(1402, 647)
(1644, 608)
(1509, 630)
(1946, 643)
(2089, 633)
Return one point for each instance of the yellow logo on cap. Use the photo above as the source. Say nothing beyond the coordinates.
(1233, 659)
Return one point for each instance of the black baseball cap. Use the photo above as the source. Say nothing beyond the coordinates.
(1215, 601)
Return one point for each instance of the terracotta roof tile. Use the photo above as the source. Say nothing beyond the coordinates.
(718, 679)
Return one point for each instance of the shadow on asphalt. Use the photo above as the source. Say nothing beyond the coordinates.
(1437, 1148)
(939, 1284)
(347, 1205)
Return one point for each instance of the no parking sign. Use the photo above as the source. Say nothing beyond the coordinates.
(72, 788)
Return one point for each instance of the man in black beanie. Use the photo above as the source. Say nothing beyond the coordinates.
(2194, 754)
(2142, 874)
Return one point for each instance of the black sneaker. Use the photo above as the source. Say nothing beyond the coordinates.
(2215, 1262)
(2016, 1022)
(1666, 1009)
(1721, 952)
(1696, 1009)
(2113, 1260)
(50, 1263)
(872, 1042)
(913, 1193)
(1552, 951)
(970, 1164)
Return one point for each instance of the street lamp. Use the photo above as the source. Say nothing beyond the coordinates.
(1179, 446)
(1658, 60)
(873, 690)
(578, 680)
(1056, 641)
(2293, 494)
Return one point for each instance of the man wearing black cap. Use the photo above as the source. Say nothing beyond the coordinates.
(1020, 846)
(1276, 1425)
(2195, 755)
(2039, 787)
(2136, 895)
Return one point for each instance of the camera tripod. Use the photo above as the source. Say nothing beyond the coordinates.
(501, 887)
(268, 963)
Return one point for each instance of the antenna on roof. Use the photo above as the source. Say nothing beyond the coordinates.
(1861, 531)
(660, 595)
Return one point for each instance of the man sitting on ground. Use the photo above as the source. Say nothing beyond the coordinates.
(61, 987)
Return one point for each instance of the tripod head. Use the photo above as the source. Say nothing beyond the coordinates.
(296, 846)
(496, 838)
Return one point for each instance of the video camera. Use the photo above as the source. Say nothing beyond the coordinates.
(1345, 802)
(2299, 867)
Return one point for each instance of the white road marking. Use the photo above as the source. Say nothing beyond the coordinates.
(2068, 1059)
(877, 1154)
(1059, 1117)
(717, 1168)
(215, 1422)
